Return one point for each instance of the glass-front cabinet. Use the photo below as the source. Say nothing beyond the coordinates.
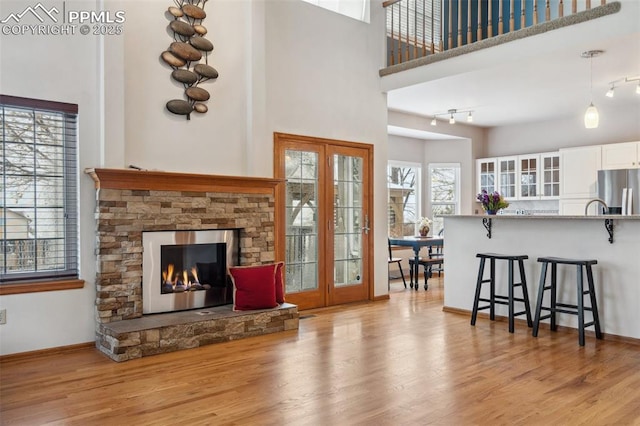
(507, 172)
(521, 177)
(528, 172)
(486, 169)
(550, 175)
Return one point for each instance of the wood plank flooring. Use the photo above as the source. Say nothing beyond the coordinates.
(397, 362)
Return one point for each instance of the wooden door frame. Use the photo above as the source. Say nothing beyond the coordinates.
(280, 209)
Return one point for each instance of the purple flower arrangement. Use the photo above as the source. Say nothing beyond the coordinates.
(491, 201)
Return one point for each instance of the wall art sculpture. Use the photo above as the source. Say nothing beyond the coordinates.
(188, 56)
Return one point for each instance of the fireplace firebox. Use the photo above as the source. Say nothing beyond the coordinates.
(184, 270)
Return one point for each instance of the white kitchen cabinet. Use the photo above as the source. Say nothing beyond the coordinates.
(549, 176)
(487, 174)
(528, 177)
(579, 172)
(507, 177)
(621, 156)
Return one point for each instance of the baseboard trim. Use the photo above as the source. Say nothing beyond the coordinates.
(382, 297)
(44, 352)
(544, 326)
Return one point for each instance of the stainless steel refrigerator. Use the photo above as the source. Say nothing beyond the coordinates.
(620, 189)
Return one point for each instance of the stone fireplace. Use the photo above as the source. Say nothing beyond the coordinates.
(130, 203)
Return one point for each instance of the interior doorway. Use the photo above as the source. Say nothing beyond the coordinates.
(327, 211)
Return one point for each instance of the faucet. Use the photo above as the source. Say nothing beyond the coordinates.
(596, 200)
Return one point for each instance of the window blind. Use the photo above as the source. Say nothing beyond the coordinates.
(39, 216)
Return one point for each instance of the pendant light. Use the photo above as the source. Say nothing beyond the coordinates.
(591, 116)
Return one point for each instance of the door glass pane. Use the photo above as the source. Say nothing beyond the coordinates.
(347, 175)
(302, 214)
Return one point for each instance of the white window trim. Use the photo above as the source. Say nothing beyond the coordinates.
(456, 202)
(418, 167)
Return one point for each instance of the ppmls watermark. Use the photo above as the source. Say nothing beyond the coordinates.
(57, 20)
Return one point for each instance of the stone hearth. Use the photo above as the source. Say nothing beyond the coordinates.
(130, 202)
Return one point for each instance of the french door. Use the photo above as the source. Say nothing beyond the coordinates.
(327, 219)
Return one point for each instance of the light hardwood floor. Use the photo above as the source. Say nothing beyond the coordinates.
(397, 362)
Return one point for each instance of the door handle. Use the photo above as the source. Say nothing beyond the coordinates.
(366, 228)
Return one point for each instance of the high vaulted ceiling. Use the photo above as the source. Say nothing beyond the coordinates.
(539, 78)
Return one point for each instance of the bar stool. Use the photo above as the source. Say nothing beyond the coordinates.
(555, 306)
(499, 299)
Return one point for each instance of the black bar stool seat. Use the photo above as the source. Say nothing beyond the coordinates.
(494, 299)
(565, 308)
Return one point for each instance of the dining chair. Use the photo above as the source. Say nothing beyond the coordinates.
(397, 260)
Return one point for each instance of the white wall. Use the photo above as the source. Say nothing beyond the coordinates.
(65, 69)
(285, 66)
(616, 125)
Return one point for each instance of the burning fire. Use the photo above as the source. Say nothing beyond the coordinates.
(181, 282)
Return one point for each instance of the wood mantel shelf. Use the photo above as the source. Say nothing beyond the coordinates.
(170, 181)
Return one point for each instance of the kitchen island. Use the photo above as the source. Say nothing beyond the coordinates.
(617, 274)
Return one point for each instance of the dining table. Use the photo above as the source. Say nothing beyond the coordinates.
(417, 243)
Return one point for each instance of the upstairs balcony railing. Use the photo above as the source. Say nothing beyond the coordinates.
(418, 28)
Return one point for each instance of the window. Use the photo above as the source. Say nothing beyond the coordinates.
(38, 220)
(445, 192)
(403, 184)
(356, 9)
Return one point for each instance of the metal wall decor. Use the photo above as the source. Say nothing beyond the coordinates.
(185, 55)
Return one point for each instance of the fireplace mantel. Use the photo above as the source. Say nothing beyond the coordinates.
(170, 181)
(131, 202)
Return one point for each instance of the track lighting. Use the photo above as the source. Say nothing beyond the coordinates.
(621, 81)
(610, 92)
(591, 116)
(451, 113)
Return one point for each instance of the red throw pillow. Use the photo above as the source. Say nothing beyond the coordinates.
(254, 287)
(279, 282)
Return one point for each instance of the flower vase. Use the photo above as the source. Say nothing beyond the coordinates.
(424, 230)
(491, 212)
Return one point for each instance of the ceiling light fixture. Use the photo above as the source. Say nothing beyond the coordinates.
(591, 116)
(451, 113)
(623, 80)
(611, 92)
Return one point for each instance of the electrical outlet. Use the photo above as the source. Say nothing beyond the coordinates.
(3, 316)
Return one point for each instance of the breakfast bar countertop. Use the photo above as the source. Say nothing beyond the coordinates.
(612, 240)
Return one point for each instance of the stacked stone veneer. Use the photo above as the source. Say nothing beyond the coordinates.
(125, 340)
(123, 215)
